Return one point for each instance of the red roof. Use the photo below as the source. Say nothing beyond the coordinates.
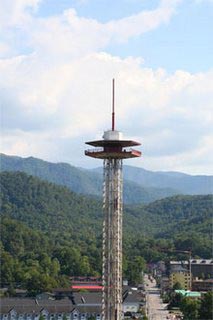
(87, 287)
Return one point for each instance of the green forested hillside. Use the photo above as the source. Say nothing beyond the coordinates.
(45, 206)
(26, 259)
(177, 214)
(186, 220)
(45, 226)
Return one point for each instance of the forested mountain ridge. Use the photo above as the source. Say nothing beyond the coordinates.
(43, 205)
(55, 209)
(181, 182)
(49, 232)
(76, 179)
(177, 213)
(140, 185)
(187, 220)
(185, 183)
(82, 181)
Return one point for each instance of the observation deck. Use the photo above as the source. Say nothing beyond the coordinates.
(113, 146)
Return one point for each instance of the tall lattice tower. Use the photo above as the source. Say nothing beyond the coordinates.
(112, 149)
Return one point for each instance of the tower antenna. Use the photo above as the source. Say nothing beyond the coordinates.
(113, 104)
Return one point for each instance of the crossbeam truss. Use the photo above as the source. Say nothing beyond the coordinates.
(112, 240)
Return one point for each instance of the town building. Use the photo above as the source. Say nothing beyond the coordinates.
(200, 268)
(133, 300)
(33, 309)
(180, 275)
(202, 285)
(65, 304)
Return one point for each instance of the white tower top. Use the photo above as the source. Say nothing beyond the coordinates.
(112, 135)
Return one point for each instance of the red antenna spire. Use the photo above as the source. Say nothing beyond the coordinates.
(113, 104)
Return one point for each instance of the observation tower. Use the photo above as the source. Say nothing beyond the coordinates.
(112, 149)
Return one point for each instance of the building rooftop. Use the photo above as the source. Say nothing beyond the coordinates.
(88, 309)
(83, 302)
(203, 280)
(132, 296)
(182, 262)
(115, 143)
(33, 306)
(194, 261)
(87, 298)
(202, 261)
(178, 268)
(187, 293)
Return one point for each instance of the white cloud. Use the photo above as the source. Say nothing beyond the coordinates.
(71, 103)
(142, 22)
(16, 13)
(197, 161)
(4, 49)
(59, 96)
(68, 35)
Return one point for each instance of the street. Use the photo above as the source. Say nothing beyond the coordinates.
(156, 309)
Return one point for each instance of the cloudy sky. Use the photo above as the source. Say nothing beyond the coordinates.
(57, 59)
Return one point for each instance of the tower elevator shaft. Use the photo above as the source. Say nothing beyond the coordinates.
(112, 240)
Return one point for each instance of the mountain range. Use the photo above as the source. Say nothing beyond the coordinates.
(49, 233)
(140, 185)
(55, 209)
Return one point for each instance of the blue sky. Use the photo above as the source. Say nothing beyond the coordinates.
(101, 10)
(57, 59)
(181, 45)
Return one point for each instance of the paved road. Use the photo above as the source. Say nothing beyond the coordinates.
(156, 309)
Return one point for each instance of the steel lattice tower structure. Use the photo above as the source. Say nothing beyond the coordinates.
(112, 149)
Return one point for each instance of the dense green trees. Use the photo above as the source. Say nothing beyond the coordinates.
(49, 233)
(206, 307)
(136, 267)
(177, 286)
(193, 308)
(32, 265)
(175, 300)
(190, 309)
(196, 309)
